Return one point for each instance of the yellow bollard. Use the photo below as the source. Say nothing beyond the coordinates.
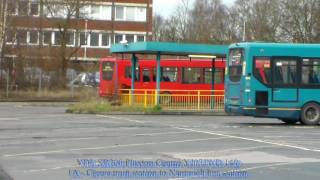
(198, 100)
(145, 98)
(156, 97)
(130, 97)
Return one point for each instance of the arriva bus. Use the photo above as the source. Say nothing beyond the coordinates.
(274, 80)
(186, 74)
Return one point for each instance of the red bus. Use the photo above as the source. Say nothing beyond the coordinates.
(186, 74)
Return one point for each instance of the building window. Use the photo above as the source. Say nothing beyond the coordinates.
(61, 11)
(118, 38)
(130, 13)
(106, 12)
(95, 12)
(56, 11)
(130, 38)
(70, 38)
(22, 36)
(57, 38)
(140, 38)
(141, 14)
(84, 12)
(83, 39)
(33, 37)
(34, 9)
(23, 8)
(119, 13)
(12, 8)
(10, 36)
(105, 39)
(47, 38)
(311, 72)
(191, 75)
(94, 39)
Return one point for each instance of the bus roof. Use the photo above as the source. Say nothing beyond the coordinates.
(280, 49)
(168, 48)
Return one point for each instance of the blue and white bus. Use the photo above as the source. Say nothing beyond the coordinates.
(274, 80)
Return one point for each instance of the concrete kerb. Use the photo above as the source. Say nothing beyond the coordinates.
(178, 113)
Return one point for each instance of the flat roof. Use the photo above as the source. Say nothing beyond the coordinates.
(168, 48)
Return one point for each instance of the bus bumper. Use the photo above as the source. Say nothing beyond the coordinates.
(285, 113)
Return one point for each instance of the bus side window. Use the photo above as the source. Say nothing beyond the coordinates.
(191, 75)
(218, 75)
(168, 74)
(262, 70)
(128, 73)
(285, 72)
(146, 75)
(311, 72)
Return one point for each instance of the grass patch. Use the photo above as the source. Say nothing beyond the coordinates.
(83, 94)
(100, 106)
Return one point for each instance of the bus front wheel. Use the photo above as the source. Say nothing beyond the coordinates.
(310, 114)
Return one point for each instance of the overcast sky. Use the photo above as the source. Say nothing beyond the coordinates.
(166, 7)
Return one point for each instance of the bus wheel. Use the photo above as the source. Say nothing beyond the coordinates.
(310, 114)
(289, 121)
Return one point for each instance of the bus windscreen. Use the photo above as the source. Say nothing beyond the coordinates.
(107, 71)
(235, 64)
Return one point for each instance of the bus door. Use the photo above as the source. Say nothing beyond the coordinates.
(285, 79)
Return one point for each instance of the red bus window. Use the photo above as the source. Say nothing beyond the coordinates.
(169, 74)
(218, 76)
(146, 75)
(191, 75)
(128, 73)
(107, 71)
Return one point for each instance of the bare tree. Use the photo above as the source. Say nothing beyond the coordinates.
(66, 17)
(300, 20)
(3, 14)
(176, 28)
(208, 21)
(158, 23)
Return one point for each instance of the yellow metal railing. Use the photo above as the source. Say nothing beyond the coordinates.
(199, 100)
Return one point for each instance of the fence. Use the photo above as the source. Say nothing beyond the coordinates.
(197, 100)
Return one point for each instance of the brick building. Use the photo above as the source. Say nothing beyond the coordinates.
(103, 22)
(76, 30)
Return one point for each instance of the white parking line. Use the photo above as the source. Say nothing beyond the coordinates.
(9, 119)
(250, 139)
(110, 147)
(120, 118)
(164, 133)
(228, 136)
(48, 169)
(48, 141)
(225, 150)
